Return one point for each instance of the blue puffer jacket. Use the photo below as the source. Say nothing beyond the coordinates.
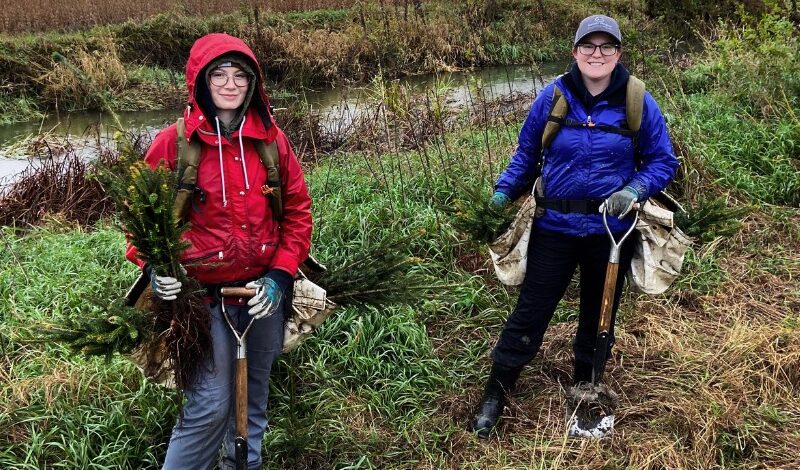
(589, 163)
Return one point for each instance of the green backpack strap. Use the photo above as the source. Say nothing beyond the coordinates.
(558, 111)
(270, 160)
(634, 103)
(188, 159)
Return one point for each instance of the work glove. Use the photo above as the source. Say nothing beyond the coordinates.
(621, 202)
(165, 287)
(269, 293)
(499, 200)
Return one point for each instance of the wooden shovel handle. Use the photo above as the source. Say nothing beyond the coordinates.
(241, 397)
(237, 292)
(609, 289)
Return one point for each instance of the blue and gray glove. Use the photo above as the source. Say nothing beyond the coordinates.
(164, 287)
(621, 202)
(269, 293)
(499, 200)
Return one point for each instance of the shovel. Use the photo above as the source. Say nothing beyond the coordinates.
(240, 380)
(593, 403)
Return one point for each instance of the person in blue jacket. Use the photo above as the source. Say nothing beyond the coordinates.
(586, 166)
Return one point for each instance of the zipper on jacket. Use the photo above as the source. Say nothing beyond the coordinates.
(204, 257)
(589, 122)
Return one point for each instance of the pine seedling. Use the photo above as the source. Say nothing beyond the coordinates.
(383, 272)
(116, 329)
(476, 219)
(711, 218)
(146, 208)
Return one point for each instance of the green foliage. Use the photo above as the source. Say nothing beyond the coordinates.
(740, 119)
(18, 108)
(147, 214)
(711, 218)
(377, 272)
(478, 220)
(757, 67)
(164, 40)
(115, 328)
(679, 13)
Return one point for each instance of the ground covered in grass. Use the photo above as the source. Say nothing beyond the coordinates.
(708, 373)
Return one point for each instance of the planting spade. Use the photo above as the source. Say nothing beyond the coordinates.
(590, 406)
(240, 380)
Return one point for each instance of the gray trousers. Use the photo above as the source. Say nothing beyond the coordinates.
(208, 414)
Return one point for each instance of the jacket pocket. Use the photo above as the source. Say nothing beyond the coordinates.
(204, 257)
(264, 252)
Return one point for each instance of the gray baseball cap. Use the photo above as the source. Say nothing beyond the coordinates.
(598, 23)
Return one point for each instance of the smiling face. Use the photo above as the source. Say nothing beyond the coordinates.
(596, 67)
(228, 86)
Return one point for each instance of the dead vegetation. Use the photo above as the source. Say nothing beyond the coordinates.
(710, 383)
(19, 16)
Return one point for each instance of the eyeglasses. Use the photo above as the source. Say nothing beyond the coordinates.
(220, 78)
(605, 49)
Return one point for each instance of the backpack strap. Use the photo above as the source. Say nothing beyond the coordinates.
(634, 103)
(188, 159)
(270, 159)
(558, 111)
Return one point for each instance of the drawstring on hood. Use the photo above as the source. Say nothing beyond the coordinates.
(221, 163)
(221, 166)
(241, 153)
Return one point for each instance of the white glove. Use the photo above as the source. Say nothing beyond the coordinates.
(267, 299)
(165, 287)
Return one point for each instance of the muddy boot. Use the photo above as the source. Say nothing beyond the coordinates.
(501, 379)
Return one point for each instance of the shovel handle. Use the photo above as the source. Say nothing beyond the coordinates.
(240, 390)
(237, 292)
(609, 288)
(241, 397)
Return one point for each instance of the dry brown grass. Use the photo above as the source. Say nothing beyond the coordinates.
(87, 78)
(705, 381)
(20, 16)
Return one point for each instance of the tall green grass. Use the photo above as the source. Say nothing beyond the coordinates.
(738, 112)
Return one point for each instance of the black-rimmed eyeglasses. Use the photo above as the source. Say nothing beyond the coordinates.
(605, 49)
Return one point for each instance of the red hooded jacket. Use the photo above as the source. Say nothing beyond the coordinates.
(234, 237)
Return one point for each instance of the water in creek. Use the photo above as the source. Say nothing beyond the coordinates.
(333, 104)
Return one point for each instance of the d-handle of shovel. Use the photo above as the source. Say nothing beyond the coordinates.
(240, 380)
(609, 289)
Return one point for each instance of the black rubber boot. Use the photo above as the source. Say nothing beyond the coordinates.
(501, 380)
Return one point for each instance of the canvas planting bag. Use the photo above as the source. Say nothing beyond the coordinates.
(659, 251)
(509, 252)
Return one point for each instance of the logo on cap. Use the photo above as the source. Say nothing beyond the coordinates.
(599, 20)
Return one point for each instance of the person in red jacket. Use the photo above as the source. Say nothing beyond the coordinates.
(235, 240)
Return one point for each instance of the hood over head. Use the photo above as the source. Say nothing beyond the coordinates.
(204, 54)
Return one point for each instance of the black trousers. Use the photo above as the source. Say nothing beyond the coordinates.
(552, 260)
